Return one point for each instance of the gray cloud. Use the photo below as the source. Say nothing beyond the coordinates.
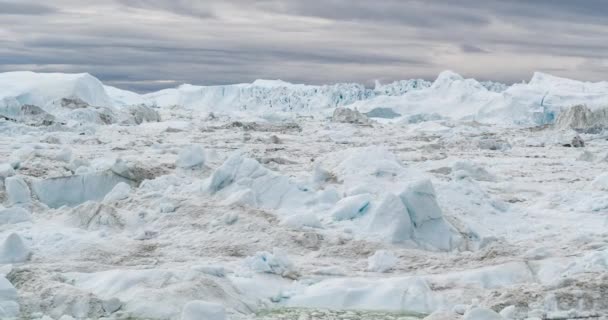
(469, 48)
(146, 45)
(24, 8)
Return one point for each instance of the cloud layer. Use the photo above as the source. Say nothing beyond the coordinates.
(146, 45)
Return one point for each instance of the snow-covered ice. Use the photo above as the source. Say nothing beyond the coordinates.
(451, 199)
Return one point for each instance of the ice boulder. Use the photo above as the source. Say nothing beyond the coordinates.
(351, 207)
(203, 310)
(190, 156)
(76, 189)
(14, 250)
(14, 215)
(482, 314)
(276, 262)
(17, 190)
(390, 220)
(381, 261)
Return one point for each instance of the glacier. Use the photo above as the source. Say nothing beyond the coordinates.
(537, 102)
(445, 199)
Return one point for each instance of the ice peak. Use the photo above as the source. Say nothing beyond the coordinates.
(449, 75)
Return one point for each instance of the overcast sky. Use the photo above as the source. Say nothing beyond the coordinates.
(146, 45)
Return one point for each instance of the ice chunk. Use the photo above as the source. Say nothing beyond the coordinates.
(213, 270)
(256, 185)
(141, 113)
(191, 156)
(381, 261)
(9, 308)
(6, 170)
(345, 115)
(203, 310)
(276, 262)
(95, 216)
(464, 168)
(430, 229)
(493, 144)
(582, 119)
(385, 113)
(420, 200)
(509, 312)
(74, 190)
(351, 207)
(120, 191)
(132, 170)
(299, 221)
(65, 154)
(391, 220)
(411, 294)
(14, 250)
(17, 190)
(442, 315)
(14, 215)
(482, 314)
(111, 305)
(601, 182)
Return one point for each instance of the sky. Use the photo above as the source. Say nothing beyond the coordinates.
(146, 45)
